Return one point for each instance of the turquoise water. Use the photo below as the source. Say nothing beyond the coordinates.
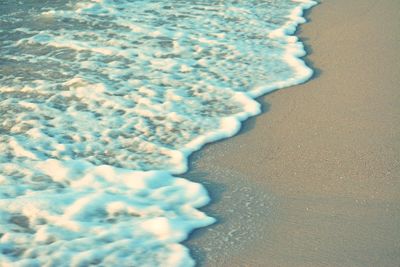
(102, 102)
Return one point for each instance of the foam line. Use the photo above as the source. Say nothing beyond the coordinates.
(102, 102)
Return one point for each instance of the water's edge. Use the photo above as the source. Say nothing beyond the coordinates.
(297, 57)
(94, 128)
(294, 53)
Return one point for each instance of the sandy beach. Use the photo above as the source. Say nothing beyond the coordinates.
(315, 179)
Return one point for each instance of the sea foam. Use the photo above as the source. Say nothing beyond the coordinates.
(102, 101)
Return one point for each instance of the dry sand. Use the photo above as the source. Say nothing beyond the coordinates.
(315, 179)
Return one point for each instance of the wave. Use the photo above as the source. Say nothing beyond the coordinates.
(103, 101)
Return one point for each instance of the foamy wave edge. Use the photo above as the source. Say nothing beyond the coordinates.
(154, 210)
(231, 125)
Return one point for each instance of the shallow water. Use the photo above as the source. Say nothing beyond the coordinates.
(101, 101)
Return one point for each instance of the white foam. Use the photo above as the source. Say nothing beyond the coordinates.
(98, 214)
(101, 101)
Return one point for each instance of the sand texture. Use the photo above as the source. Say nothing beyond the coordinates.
(315, 179)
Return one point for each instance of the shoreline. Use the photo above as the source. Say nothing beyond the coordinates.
(312, 180)
(294, 55)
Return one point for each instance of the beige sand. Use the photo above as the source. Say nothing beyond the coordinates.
(315, 180)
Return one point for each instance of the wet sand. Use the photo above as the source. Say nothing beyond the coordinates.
(315, 179)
